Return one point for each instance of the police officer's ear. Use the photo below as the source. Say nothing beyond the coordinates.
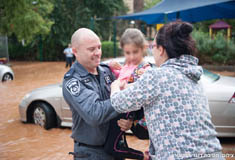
(74, 51)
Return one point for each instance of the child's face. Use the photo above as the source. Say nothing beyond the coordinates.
(133, 54)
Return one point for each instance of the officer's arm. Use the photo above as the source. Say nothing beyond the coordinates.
(87, 103)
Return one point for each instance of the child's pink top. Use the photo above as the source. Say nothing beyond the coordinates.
(125, 72)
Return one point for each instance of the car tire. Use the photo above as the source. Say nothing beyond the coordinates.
(7, 77)
(44, 115)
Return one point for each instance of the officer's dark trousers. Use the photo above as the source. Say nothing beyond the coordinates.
(116, 145)
(90, 153)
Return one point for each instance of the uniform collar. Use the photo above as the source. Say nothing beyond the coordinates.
(80, 69)
(83, 72)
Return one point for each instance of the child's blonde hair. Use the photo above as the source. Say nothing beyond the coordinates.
(133, 36)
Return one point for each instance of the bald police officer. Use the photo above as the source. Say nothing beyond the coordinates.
(86, 88)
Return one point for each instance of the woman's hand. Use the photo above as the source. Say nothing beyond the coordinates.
(117, 85)
(125, 124)
(128, 85)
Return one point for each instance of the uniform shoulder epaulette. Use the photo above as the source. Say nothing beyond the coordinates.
(69, 73)
(108, 71)
(104, 65)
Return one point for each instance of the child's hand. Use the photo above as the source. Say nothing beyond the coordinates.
(115, 65)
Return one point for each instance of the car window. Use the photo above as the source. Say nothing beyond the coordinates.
(209, 76)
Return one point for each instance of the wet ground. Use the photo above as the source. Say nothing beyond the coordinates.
(19, 141)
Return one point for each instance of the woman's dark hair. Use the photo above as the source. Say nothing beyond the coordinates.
(176, 39)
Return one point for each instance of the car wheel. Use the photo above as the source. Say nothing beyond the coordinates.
(44, 115)
(7, 77)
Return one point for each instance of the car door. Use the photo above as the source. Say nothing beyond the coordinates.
(222, 110)
(66, 114)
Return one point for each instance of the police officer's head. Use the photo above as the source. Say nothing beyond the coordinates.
(86, 47)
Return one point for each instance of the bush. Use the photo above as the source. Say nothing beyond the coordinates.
(231, 52)
(108, 49)
(19, 52)
(203, 42)
(220, 46)
(214, 51)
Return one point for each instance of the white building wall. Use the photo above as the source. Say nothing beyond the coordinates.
(130, 4)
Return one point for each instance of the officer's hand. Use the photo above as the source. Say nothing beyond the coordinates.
(124, 124)
(146, 155)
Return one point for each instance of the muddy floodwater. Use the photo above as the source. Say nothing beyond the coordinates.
(19, 141)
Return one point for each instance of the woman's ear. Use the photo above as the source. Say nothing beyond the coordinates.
(161, 50)
(163, 53)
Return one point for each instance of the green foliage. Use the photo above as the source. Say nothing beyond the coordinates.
(204, 42)
(73, 14)
(150, 3)
(19, 52)
(214, 51)
(25, 18)
(108, 49)
(67, 16)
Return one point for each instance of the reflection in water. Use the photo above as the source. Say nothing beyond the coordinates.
(20, 141)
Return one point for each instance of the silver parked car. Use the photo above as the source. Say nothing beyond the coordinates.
(45, 106)
(6, 73)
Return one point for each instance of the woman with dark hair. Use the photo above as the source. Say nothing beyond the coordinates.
(175, 106)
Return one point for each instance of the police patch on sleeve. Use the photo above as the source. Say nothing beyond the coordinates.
(73, 87)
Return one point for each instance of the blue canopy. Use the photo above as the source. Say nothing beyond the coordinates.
(186, 10)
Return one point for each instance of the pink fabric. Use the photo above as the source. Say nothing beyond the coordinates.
(125, 72)
(115, 72)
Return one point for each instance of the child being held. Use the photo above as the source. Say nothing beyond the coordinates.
(133, 44)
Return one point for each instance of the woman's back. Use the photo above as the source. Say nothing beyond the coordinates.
(179, 118)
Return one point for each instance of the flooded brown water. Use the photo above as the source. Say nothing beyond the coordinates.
(19, 141)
